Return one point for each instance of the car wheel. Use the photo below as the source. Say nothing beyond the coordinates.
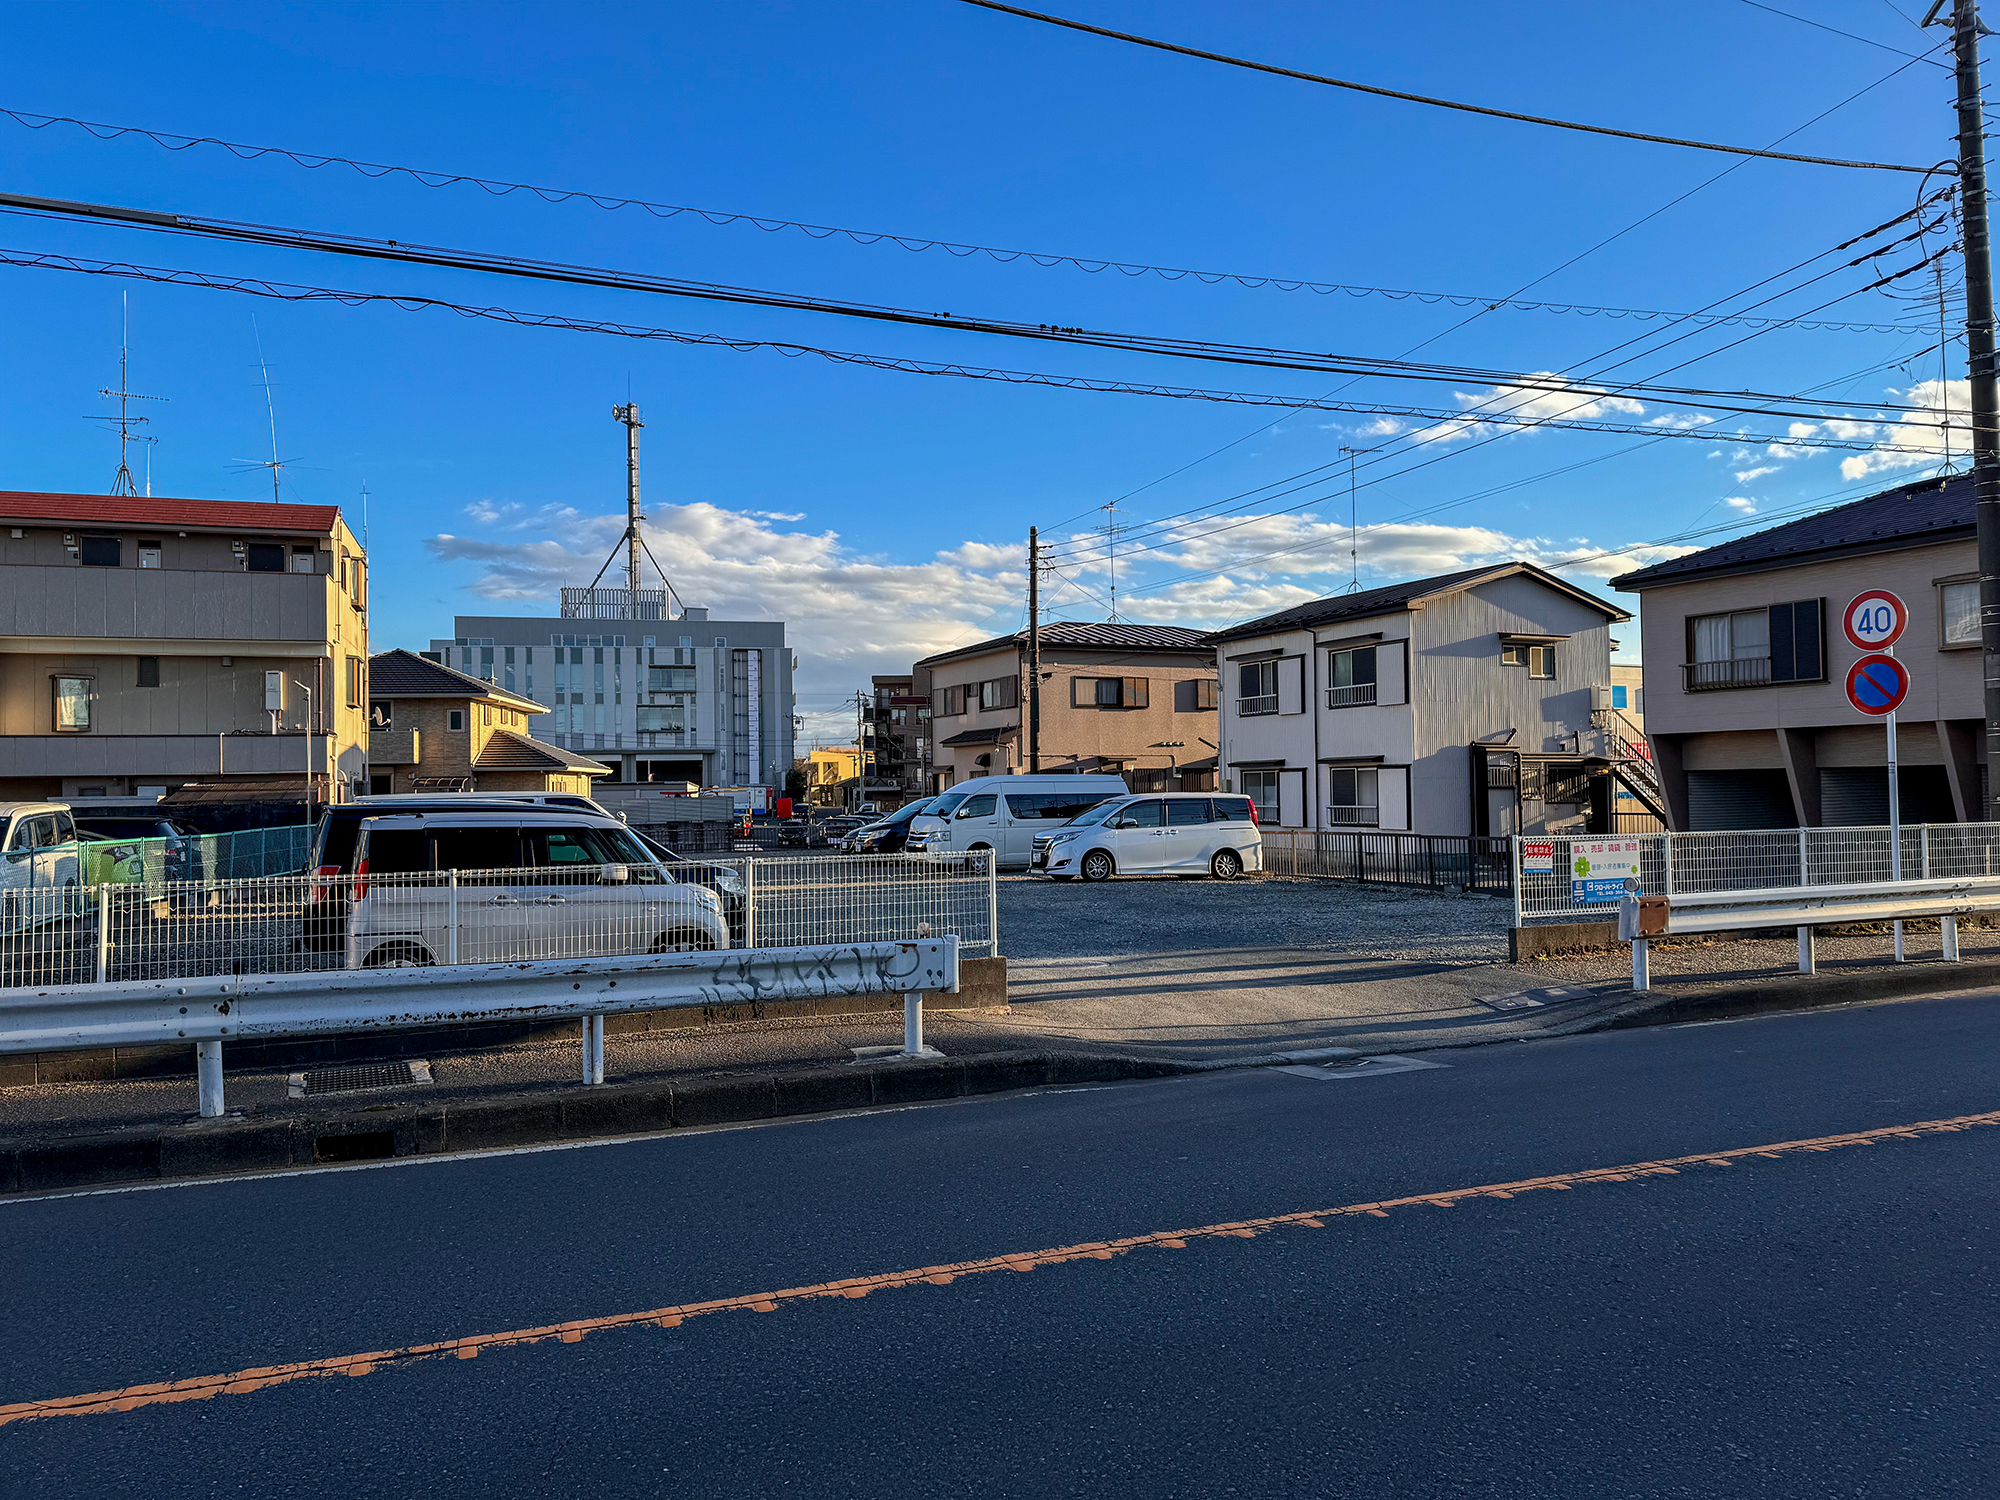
(1226, 865)
(1097, 865)
(685, 940)
(398, 956)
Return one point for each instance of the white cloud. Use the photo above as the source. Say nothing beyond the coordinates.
(1914, 440)
(1739, 504)
(1571, 403)
(1747, 476)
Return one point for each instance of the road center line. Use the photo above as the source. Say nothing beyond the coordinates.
(243, 1382)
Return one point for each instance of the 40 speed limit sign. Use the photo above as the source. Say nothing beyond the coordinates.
(1875, 619)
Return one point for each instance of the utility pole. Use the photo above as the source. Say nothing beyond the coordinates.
(1034, 652)
(629, 415)
(1979, 355)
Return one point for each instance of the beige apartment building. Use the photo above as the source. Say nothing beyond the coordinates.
(434, 729)
(1746, 664)
(1138, 700)
(148, 642)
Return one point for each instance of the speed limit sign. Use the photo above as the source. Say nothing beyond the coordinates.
(1875, 619)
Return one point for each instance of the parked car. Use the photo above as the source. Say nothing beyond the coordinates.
(128, 850)
(41, 878)
(532, 885)
(324, 927)
(724, 880)
(799, 833)
(1004, 813)
(1173, 833)
(540, 799)
(885, 835)
(834, 829)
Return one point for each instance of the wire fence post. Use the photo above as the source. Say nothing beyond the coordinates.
(992, 905)
(1514, 873)
(750, 902)
(103, 933)
(1805, 862)
(451, 920)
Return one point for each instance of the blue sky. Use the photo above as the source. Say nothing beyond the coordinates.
(881, 514)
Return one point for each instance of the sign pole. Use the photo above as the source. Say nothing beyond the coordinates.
(1895, 827)
(1877, 684)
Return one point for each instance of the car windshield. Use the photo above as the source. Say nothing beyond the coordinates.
(946, 805)
(903, 815)
(1098, 814)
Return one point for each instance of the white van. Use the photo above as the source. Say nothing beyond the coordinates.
(531, 885)
(1163, 833)
(41, 879)
(1004, 813)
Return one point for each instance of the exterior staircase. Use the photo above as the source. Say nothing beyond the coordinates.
(1632, 760)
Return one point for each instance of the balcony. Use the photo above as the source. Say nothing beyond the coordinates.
(1350, 697)
(1713, 676)
(1355, 817)
(163, 611)
(1265, 704)
(394, 747)
(180, 756)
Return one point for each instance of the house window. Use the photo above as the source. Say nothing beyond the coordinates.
(72, 704)
(1261, 787)
(1542, 661)
(354, 692)
(1352, 677)
(454, 719)
(149, 671)
(951, 701)
(1351, 797)
(1205, 690)
(305, 560)
(1513, 656)
(149, 554)
(486, 714)
(1257, 692)
(1618, 695)
(1958, 609)
(1752, 647)
(98, 552)
(667, 719)
(1110, 692)
(1001, 692)
(264, 557)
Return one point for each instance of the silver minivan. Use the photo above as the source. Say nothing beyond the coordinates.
(529, 885)
(1165, 833)
(1005, 813)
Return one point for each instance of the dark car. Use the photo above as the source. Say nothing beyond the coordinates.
(797, 833)
(722, 879)
(885, 835)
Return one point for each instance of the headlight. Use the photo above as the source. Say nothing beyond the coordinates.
(1060, 838)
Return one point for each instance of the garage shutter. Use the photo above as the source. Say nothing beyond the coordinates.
(1740, 799)
(1858, 796)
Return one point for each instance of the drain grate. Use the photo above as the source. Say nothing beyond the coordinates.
(356, 1080)
(1532, 999)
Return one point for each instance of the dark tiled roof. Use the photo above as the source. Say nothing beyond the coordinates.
(149, 510)
(1089, 636)
(508, 751)
(980, 736)
(404, 674)
(1398, 596)
(1913, 515)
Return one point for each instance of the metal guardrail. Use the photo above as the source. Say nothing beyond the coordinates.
(1685, 864)
(208, 1012)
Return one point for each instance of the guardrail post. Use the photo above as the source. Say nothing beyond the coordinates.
(451, 930)
(1642, 979)
(593, 1049)
(103, 934)
(1899, 939)
(1949, 927)
(749, 901)
(208, 1078)
(1808, 960)
(913, 1024)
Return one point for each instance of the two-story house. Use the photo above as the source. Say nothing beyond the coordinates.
(1746, 662)
(1137, 700)
(1460, 704)
(148, 642)
(434, 729)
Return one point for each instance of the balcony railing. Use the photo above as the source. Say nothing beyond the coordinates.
(1355, 817)
(1267, 704)
(1744, 671)
(1349, 697)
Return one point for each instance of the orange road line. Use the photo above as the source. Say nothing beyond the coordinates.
(243, 1382)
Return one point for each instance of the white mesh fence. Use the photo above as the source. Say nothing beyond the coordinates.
(157, 929)
(1765, 859)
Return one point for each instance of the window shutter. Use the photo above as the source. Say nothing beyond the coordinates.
(1796, 654)
(1135, 693)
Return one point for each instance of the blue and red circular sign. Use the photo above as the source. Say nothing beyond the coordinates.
(1874, 620)
(1877, 684)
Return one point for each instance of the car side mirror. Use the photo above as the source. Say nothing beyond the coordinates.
(1128, 822)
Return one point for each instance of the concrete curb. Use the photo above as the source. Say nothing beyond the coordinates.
(1793, 992)
(238, 1144)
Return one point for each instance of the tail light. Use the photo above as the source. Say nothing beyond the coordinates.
(324, 879)
(361, 879)
(1253, 815)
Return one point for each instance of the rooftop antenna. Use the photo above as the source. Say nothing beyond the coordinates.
(121, 483)
(1353, 525)
(1111, 530)
(364, 515)
(634, 537)
(274, 463)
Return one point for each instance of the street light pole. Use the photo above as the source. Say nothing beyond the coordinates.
(308, 727)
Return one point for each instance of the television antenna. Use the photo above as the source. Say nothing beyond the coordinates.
(121, 483)
(1111, 528)
(1353, 524)
(274, 463)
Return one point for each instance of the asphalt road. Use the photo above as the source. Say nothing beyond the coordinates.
(1814, 1322)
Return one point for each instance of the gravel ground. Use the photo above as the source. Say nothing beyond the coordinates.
(1045, 919)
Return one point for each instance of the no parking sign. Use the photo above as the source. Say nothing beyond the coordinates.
(1877, 684)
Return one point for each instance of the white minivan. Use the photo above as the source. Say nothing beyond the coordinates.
(1004, 813)
(40, 875)
(1164, 833)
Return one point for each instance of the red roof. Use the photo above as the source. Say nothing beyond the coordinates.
(151, 510)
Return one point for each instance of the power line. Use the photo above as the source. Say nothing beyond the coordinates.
(1850, 35)
(1476, 109)
(538, 270)
(917, 244)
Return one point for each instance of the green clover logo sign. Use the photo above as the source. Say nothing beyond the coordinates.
(1582, 868)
